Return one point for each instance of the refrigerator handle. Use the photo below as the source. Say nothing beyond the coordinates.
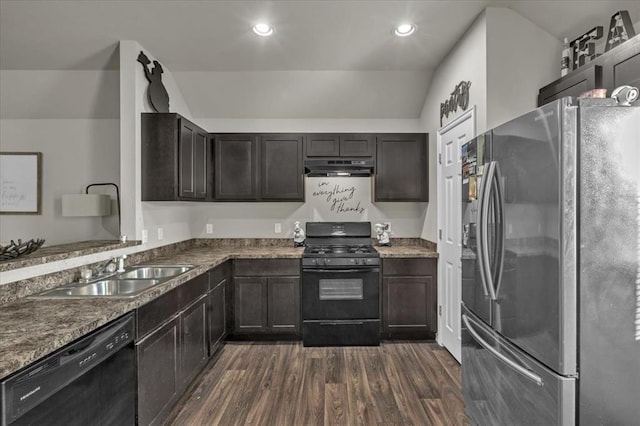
(482, 194)
(500, 227)
(483, 246)
(518, 368)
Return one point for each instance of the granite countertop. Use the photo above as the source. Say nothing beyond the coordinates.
(35, 327)
(406, 251)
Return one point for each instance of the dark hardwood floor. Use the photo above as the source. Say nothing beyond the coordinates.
(285, 383)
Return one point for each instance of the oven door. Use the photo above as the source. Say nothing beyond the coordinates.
(340, 294)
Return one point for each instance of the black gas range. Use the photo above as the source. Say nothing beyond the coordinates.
(340, 285)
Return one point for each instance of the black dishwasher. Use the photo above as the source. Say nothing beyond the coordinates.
(88, 382)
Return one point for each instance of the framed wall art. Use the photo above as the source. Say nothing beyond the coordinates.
(20, 183)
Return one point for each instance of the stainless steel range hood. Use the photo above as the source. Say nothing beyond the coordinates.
(338, 167)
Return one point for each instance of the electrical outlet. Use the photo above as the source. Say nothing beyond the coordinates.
(278, 228)
(145, 236)
(209, 228)
(160, 234)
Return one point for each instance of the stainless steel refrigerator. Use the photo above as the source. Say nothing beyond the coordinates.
(550, 267)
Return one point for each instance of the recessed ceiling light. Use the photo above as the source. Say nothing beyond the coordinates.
(404, 30)
(263, 29)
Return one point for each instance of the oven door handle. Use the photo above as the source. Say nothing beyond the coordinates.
(334, 323)
(341, 271)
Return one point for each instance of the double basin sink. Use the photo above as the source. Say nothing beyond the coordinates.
(124, 284)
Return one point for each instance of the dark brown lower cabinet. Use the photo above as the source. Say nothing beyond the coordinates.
(409, 298)
(158, 361)
(250, 304)
(217, 315)
(194, 342)
(265, 303)
(171, 347)
(283, 307)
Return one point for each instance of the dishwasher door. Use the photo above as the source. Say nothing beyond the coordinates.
(91, 381)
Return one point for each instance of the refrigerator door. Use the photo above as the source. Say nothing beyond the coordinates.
(476, 294)
(530, 233)
(609, 269)
(504, 386)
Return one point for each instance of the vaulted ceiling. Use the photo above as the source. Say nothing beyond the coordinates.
(327, 59)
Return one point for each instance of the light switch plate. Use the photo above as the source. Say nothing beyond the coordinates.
(160, 234)
(209, 228)
(145, 236)
(278, 228)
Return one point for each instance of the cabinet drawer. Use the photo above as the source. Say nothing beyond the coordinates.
(322, 145)
(220, 273)
(266, 267)
(408, 267)
(154, 313)
(191, 290)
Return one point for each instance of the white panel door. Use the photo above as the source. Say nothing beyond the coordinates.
(450, 139)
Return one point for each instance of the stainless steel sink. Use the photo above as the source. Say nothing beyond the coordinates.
(108, 288)
(125, 284)
(155, 272)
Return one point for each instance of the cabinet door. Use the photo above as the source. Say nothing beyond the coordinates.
(322, 145)
(357, 145)
(158, 366)
(284, 304)
(250, 304)
(281, 165)
(186, 155)
(194, 352)
(236, 173)
(409, 307)
(201, 161)
(159, 155)
(622, 65)
(217, 316)
(401, 168)
(577, 82)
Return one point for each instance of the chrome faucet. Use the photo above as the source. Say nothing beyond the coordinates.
(106, 268)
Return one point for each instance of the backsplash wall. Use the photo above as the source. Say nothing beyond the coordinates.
(326, 199)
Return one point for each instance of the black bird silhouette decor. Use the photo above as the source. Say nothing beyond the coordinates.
(158, 96)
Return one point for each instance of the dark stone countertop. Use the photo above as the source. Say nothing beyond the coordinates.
(34, 327)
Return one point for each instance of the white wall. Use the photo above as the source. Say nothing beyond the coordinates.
(521, 58)
(507, 59)
(173, 218)
(75, 153)
(54, 94)
(466, 62)
(326, 199)
(72, 118)
(304, 93)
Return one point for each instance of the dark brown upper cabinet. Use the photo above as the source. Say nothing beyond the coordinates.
(281, 169)
(175, 158)
(236, 167)
(574, 84)
(617, 67)
(251, 167)
(402, 167)
(340, 145)
(621, 66)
